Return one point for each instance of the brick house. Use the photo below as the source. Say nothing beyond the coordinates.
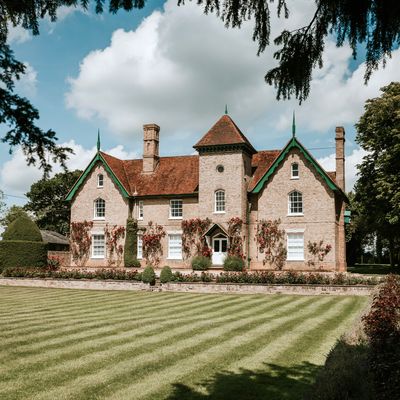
(228, 178)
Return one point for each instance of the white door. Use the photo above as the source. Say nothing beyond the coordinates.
(220, 247)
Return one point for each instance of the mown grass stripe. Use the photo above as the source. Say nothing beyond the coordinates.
(155, 326)
(196, 361)
(116, 361)
(174, 351)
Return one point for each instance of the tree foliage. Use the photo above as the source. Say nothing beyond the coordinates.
(12, 214)
(377, 190)
(373, 23)
(47, 201)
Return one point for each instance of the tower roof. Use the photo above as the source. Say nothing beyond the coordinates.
(224, 132)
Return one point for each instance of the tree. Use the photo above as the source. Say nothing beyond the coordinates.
(378, 189)
(2, 203)
(12, 214)
(47, 201)
(375, 23)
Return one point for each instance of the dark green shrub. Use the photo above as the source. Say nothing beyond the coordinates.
(19, 253)
(23, 228)
(130, 248)
(233, 263)
(201, 263)
(148, 275)
(166, 275)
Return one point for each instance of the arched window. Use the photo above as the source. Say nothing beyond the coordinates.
(99, 209)
(100, 180)
(295, 205)
(220, 201)
(295, 171)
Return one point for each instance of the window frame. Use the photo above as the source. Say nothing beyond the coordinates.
(288, 234)
(171, 208)
(100, 177)
(174, 256)
(292, 176)
(140, 210)
(95, 210)
(98, 256)
(139, 246)
(217, 201)
(295, 213)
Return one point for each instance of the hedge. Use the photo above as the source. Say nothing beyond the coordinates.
(23, 228)
(130, 248)
(18, 253)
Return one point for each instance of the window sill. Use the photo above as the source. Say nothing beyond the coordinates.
(99, 218)
(174, 259)
(140, 219)
(175, 218)
(301, 260)
(97, 257)
(219, 212)
(294, 178)
(296, 215)
(100, 187)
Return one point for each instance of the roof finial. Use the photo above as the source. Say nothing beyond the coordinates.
(294, 125)
(226, 109)
(98, 140)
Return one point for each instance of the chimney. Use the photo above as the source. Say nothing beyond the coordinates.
(340, 157)
(151, 134)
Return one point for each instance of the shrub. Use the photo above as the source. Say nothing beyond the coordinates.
(133, 263)
(166, 275)
(19, 253)
(130, 248)
(233, 263)
(53, 263)
(149, 276)
(23, 228)
(201, 263)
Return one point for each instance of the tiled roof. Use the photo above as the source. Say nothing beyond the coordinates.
(172, 176)
(261, 162)
(224, 132)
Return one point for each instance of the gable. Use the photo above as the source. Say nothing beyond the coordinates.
(97, 158)
(294, 144)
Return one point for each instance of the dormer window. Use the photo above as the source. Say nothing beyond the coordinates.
(295, 171)
(100, 180)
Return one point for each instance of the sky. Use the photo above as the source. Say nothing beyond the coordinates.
(176, 67)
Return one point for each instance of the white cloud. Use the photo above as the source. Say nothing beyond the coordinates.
(16, 177)
(17, 34)
(352, 160)
(27, 84)
(180, 67)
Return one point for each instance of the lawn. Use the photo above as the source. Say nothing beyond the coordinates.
(70, 344)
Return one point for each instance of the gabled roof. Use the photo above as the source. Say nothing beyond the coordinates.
(261, 162)
(224, 132)
(173, 176)
(256, 186)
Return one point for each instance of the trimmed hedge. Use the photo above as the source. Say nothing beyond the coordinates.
(166, 275)
(233, 263)
(23, 228)
(19, 253)
(130, 248)
(101, 274)
(201, 263)
(149, 276)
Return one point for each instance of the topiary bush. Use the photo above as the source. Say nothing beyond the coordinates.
(23, 228)
(233, 263)
(149, 276)
(21, 253)
(130, 248)
(201, 263)
(166, 275)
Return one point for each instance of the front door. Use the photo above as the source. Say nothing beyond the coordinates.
(220, 247)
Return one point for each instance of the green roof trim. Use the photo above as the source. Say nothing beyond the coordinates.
(79, 182)
(294, 143)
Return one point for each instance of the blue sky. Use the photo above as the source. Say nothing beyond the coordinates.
(176, 67)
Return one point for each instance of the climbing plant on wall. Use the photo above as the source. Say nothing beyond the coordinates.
(235, 237)
(151, 240)
(115, 250)
(80, 241)
(193, 241)
(270, 241)
(318, 252)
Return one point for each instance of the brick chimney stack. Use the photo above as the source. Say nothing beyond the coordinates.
(340, 157)
(151, 135)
